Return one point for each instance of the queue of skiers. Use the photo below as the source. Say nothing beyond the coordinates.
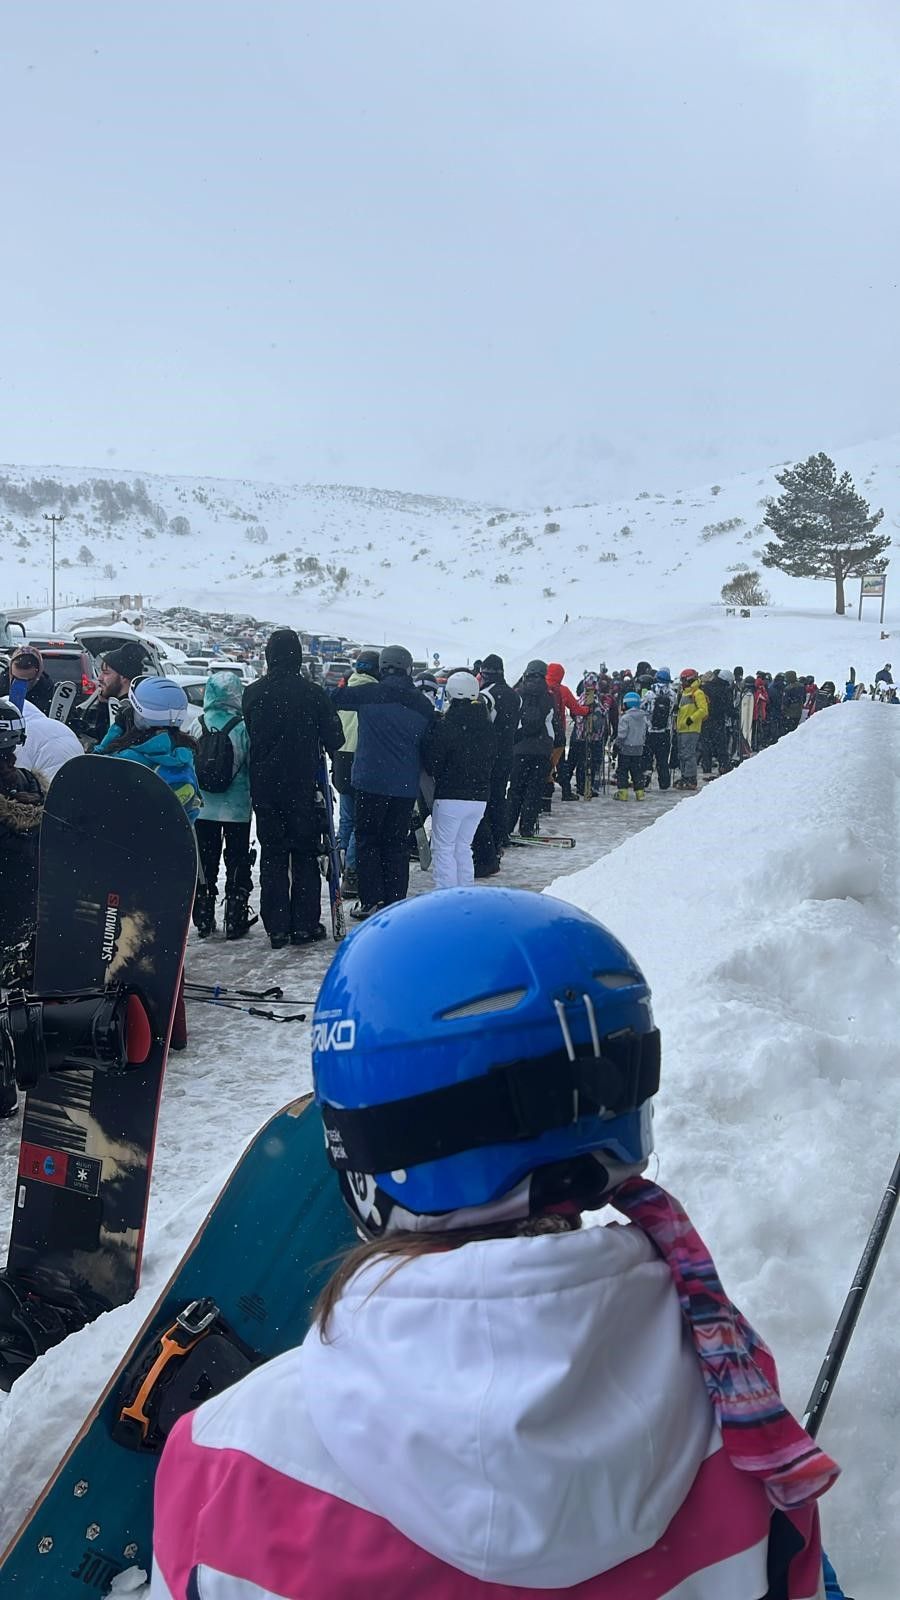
(479, 756)
(645, 721)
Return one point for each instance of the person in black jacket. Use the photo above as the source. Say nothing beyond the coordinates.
(532, 748)
(492, 835)
(715, 734)
(394, 717)
(459, 751)
(288, 720)
(792, 698)
(25, 678)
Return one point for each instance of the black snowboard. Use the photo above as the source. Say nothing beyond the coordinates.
(116, 881)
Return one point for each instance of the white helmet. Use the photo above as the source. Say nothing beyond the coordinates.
(157, 702)
(462, 686)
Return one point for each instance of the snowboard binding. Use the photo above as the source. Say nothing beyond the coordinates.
(238, 919)
(29, 1326)
(110, 1030)
(196, 1357)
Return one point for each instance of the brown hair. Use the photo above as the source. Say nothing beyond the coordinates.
(399, 1248)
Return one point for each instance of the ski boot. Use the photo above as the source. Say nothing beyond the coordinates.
(204, 913)
(621, 794)
(639, 794)
(238, 920)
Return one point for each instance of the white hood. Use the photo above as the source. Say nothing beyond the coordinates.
(529, 1410)
(48, 745)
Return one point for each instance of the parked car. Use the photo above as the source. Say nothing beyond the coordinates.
(101, 640)
(193, 684)
(336, 671)
(67, 661)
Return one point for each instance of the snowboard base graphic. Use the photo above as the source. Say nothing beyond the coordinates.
(117, 867)
(259, 1259)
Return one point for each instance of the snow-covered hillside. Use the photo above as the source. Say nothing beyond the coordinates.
(442, 574)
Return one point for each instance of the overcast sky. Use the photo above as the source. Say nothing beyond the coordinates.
(498, 247)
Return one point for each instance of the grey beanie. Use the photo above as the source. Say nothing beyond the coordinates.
(395, 658)
(535, 669)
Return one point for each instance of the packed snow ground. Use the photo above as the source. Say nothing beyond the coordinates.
(765, 911)
(766, 917)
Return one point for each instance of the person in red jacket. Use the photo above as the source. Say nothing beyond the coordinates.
(563, 701)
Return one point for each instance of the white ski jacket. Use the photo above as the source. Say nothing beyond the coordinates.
(48, 745)
(509, 1419)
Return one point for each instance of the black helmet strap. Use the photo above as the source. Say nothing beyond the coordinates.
(518, 1100)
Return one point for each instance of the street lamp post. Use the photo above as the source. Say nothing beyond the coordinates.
(53, 519)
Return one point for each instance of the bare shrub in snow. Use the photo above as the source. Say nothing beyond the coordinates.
(745, 589)
(714, 530)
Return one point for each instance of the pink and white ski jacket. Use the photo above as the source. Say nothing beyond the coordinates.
(515, 1418)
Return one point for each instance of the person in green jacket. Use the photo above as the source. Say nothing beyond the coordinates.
(365, 670)
(225, 818)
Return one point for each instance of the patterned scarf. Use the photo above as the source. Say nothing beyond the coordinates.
(758, 1432)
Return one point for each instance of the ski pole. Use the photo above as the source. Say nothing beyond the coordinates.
(252, 1011)
(214, 990)
(843, 1333)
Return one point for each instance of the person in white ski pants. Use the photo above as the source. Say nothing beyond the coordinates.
(453, 826)
(459, 751)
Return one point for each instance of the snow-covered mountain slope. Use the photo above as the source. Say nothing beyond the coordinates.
(441, 574)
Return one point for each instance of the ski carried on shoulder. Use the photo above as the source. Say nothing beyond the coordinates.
(335, 865)
(62, 702)
(562, 841)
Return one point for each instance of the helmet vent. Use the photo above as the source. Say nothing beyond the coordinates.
(616, 980)
(488, 1003)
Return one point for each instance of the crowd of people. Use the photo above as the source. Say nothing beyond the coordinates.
(480, 757)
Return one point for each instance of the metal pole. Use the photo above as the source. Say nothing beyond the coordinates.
(861, 587)
(53, 519)
(843, 1333)
(883, 592)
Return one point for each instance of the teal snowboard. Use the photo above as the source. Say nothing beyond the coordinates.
(261, 1255)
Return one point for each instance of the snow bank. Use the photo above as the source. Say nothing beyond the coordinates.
(765, 915)
(777, 639)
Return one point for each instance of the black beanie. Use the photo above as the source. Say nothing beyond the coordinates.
(129, 660)
(493, 664)
(283, 649)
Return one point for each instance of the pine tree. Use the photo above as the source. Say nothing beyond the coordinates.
(822, 527)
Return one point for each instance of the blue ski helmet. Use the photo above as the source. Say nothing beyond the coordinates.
(664, 675)
(630, 700)
(463, 1041)
(157, 702)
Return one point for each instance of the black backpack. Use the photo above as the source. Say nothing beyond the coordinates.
(661, 715)
(214, 761)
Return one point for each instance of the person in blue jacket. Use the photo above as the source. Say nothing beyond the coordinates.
(394, 717)
(148, 729)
